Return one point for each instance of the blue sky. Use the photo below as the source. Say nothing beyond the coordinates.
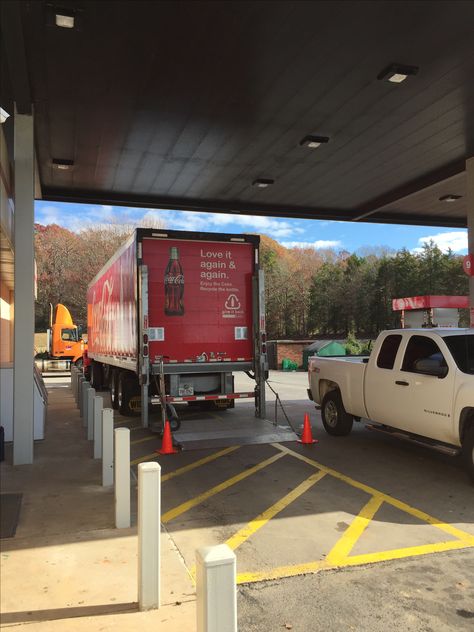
(289, 232)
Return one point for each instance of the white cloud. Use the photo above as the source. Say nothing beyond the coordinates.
(50, 215)
(317, 245)
(195, 221)
(454, 240)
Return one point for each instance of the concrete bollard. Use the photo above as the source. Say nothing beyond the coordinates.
(85, 389)
(149, 543)
(107, 447)
(98, 407)
(90, 413)
(122, 477)
(216, 594)
(73, 378)
(80, 382)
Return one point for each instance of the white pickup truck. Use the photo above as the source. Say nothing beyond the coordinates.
(417, 384)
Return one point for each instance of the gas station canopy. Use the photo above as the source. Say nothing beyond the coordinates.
(324, 110)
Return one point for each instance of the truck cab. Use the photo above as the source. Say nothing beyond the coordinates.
(64, 341)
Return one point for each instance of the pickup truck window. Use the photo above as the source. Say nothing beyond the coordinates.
(388, 351)
(462, 350)
(421, 348)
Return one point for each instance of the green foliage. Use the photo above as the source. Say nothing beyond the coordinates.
(353, 346)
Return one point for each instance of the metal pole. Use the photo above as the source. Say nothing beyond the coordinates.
(122, 477)
(98, 407)
(90, 413)
(149, 516)
(470, 229)
(144, 348)
(107, 447)
(216, 594)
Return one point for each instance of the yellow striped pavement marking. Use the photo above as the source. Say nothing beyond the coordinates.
(421, 515)
(261, 520)
(147, 457)
(180, 509)
(346, 543)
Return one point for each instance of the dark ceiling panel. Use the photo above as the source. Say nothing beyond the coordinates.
(184, 104)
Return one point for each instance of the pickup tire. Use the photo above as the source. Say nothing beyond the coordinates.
(468, 450)
(335, 419)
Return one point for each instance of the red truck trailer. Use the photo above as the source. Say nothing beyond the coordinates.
(172, 315)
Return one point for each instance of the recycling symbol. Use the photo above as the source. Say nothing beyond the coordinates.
(232, 302)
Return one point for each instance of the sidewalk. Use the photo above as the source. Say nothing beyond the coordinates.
(68, 568)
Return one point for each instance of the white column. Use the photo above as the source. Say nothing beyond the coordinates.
(216, 593)
(98, 406)
(24, 323)
(122, 477)
(149, 517)
(107, 447)
(470, 226)
(90, 413)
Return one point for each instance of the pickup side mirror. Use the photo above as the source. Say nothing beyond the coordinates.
(431, 366)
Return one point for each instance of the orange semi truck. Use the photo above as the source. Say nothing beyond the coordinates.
(63, 341)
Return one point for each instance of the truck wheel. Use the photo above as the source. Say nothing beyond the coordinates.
(114, 388)
(127, 388)
(335, 419)
(468, 451)
(97, 375)
(173, 418)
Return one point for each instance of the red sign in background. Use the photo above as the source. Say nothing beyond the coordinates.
(468, 264)
(217, 300)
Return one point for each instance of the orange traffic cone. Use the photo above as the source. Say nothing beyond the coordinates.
(307, 435)
(167, 442)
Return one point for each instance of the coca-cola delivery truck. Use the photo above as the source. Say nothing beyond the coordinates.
(172, 315)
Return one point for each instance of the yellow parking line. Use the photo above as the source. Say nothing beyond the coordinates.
(261, 520)
(346, 543)
(186, 468)
(192, 466)
(421, 515)
(410, 551)
(143, 439)
(281, 571)
(147, 457)
(180, 509)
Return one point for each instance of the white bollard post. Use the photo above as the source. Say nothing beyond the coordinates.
(85, 392)
(149, 543)
(107, 447)
(122, 477)
(98, 406)
(73, 378)
(216, 594)
(90, 413)
(79, 394)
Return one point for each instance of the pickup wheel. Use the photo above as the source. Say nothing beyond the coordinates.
(468, 451)
(335, 419)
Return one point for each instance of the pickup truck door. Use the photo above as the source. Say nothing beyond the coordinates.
(423, 402)
(382, 395)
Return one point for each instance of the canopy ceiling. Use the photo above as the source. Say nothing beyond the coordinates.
(185, 104)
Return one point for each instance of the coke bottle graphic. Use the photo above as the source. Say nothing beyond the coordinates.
(174, 285)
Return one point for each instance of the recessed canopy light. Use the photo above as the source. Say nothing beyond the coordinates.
(262, 183)
(3, 115)
(62, 164)
(450, 198)
(314, 141)
(396, 73)
(64, 20)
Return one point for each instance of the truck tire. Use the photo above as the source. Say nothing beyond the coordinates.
(468, 451)
(126, 389)
(335, 419)
(114, 375)
(97, 375)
